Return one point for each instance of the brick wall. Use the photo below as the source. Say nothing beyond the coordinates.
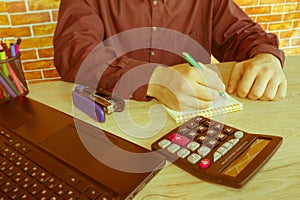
(281, 17)
(34, 21)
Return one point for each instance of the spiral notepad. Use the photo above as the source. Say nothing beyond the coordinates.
(222, 106)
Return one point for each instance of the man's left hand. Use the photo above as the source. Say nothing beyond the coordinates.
(260, 77)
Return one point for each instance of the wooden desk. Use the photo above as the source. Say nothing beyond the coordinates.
(278, 179)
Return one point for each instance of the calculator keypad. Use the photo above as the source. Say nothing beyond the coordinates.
(179, 139)
(182, 153)
(200, 137)
(215, 152)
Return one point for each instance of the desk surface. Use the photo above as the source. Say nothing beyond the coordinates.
(278, 179)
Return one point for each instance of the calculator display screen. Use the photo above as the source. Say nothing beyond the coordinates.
(235, 168)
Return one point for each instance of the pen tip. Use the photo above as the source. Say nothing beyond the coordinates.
(222, 94)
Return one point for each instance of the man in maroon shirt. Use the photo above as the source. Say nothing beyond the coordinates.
(99, 42)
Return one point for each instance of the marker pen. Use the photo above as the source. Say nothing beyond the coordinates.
(7, 87)
(4, 67)
(1, 92)
(15, 79)
(12, 50)
(10, 84)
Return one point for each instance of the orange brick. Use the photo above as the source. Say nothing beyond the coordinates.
(246, 2)
(284, 8)
(44, 29)
(290, 33)
(15, 32)
(43, 4)
(33, 75)
(296, 41)
(271, 1)
(291, 16)
(258, 10)
(280, 26)
(40, 64)
(4, 20)
(52, 73)
(252, 17)
(31, 18)
(55, 15)
(284, 43)
(269, 18)
(46, 53)
(9, 40)
(16, 6)
(264, 26)
(288, 1)
(296, 24)
(28, 55)
(2, 6)
(37, 42)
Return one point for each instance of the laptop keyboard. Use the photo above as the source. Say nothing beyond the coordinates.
(27, 172)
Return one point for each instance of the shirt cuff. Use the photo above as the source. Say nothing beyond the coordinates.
(266, 48)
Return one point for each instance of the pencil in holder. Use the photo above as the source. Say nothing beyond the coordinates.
(12, 79)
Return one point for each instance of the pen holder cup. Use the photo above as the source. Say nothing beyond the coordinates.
(12, 79)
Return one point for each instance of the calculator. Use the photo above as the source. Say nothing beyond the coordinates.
(216, 152)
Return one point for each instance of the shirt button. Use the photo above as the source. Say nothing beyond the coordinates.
(155, 2)
(154, 28)
(152, 53)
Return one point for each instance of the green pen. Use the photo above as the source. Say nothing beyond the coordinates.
(4, 67)
(191, 60)
(194, 63)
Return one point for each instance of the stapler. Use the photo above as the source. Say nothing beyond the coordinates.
(96, 104)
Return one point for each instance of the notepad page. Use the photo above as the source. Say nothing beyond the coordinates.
(224, 105)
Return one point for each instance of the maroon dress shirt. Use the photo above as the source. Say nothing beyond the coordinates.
(113, 44)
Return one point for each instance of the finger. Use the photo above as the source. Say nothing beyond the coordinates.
(246, 82)
(281, 92)
(270, 91)
(235, 77)
(261, 84)
(205, 93)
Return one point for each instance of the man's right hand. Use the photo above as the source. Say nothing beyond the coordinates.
(182, 87)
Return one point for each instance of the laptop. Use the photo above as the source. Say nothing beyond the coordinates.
(44, 154)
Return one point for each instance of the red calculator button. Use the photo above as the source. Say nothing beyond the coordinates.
(178, 139)
(204, 163)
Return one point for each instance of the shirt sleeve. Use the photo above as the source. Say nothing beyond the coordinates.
(237, 37)
(78, 32)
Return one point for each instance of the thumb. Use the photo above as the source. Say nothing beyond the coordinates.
(235, 76)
